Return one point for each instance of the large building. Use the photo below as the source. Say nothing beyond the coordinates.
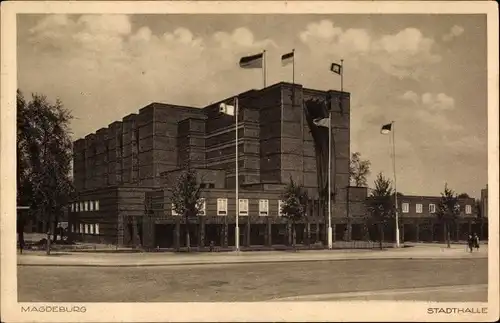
(124, 173)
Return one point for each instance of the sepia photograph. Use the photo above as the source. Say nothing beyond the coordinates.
(230, 155)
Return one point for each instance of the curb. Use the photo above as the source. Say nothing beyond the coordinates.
(235, 262)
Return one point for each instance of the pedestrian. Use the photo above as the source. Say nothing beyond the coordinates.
(470, 242)
(476, 241)
(21, 246)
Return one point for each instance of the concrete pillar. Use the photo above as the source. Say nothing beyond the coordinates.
(317, 231)
(268, 233)
(201, 232)
(226, 235)
(334, 232)
(402, 233)
(308, 233)
(248, 234)
(177, 234)
(349, 231)
(417, 232)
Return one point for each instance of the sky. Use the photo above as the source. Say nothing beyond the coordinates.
(425, 72)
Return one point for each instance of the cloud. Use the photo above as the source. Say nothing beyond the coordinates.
(403, 54)
(410, 96)
(455, 31)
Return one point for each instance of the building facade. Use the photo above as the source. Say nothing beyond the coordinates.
(124, 173)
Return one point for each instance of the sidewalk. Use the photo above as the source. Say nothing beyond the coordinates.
(172, 259)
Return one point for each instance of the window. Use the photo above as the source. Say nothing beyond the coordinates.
(243, 206)
(468, 209)
(280, 205)
(97, 205)
(86, 228)
(432, 208)
(91, 229)
(202, 206)
(86, 206)
(406, 207)
(173, 210)
(222, 206)
(263, 207)
(81, 228)
(97, 228)
(91, 208)
(72, 207)
(203, 185)
(211, 185)
(418, 208)
(81, 206)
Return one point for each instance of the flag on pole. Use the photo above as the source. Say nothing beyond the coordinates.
(287, 59)
(227, 109)
(253, 61)
(386, 128)
(336, 68)
(322, 122)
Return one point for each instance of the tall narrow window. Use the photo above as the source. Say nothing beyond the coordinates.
(406, 207)
(280, 206)
(91, 227)
(91, 205)
(418, 208)
(263, 207)
(97, 205)
(222, 206)
(202, 206)
(243, 206)
(468, 209)
(81, 228)
(432, 208)
(97, 228)
(86, 206)
(173, 210)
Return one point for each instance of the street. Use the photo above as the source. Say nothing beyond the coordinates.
(349, 279)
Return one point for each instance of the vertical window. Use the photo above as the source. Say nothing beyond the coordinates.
(432, 208)
(222, 206)
(97, 205)
(86, 228)
(468, 209)
(81, 228)
(81, 206)
(173, 210)
(406, 207)
(243, 206)
(72, 207)
(280, 205)
(418, 208)
(91, 229)
(86, 206)
(91, 206)
(202, 206)
(97, 228)
(263, 207)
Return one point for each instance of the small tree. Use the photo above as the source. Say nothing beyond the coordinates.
(448, 211)
(380, 206)
(294, 205)
(186, 198)
(359, 169)
(463, 196)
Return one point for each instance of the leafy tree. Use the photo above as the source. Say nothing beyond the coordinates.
(44, 154)
(448, 211)
(294, 205)
(463, 196)
(380, 204)
(359, 169)
(186, 198)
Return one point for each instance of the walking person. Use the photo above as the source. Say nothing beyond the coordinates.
(476, 241)
(470, 242)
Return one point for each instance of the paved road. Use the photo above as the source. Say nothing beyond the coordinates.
(166, 259)
(250, 282)
(455, 293)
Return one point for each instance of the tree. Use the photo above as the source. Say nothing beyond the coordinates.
(448, 211)
(186, 198)
(463, 196)
(380, 205)
(294, 205)
(44, 153)
(359, 169)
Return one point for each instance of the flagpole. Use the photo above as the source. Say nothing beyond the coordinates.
(330, 233)
(237, 228)
(264, 66)
(395, 184)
